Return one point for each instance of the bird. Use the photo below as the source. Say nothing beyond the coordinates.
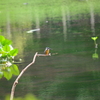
(47, 50)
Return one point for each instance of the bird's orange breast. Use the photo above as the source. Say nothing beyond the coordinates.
(47, 52)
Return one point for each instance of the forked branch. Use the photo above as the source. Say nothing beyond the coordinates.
(19, 76)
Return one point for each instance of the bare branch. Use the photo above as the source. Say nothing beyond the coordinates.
(19, 76)
(44, 54)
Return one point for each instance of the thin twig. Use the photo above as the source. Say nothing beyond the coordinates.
(16, 81)
(44, 54)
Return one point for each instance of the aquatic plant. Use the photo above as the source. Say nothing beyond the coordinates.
(95, 56)
(94, 38)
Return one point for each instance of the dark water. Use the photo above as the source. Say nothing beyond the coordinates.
(71, 72)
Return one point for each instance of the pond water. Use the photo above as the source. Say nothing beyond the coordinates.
(72, 72)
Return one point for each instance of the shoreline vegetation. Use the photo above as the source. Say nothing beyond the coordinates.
(25, 12)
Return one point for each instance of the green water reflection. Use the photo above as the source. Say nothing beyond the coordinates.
(70, 73)
(82, 86)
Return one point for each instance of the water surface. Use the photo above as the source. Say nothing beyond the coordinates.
(71, 72)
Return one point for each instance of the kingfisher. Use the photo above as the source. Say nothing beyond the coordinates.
(47, 50)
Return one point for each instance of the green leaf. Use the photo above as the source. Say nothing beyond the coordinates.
(2, 38)
(30, 97)
(94, 38)
(7, 74)
(7, 48)
(6, 42)
(1, 74)
(14, 69)
(14, 52)
(7, 97)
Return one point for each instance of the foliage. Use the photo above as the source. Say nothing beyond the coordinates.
(95, 56)
(7, 54)
(94, 38)
(34, 8)
(27, 97)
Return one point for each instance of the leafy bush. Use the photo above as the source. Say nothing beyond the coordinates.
(7, 54)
